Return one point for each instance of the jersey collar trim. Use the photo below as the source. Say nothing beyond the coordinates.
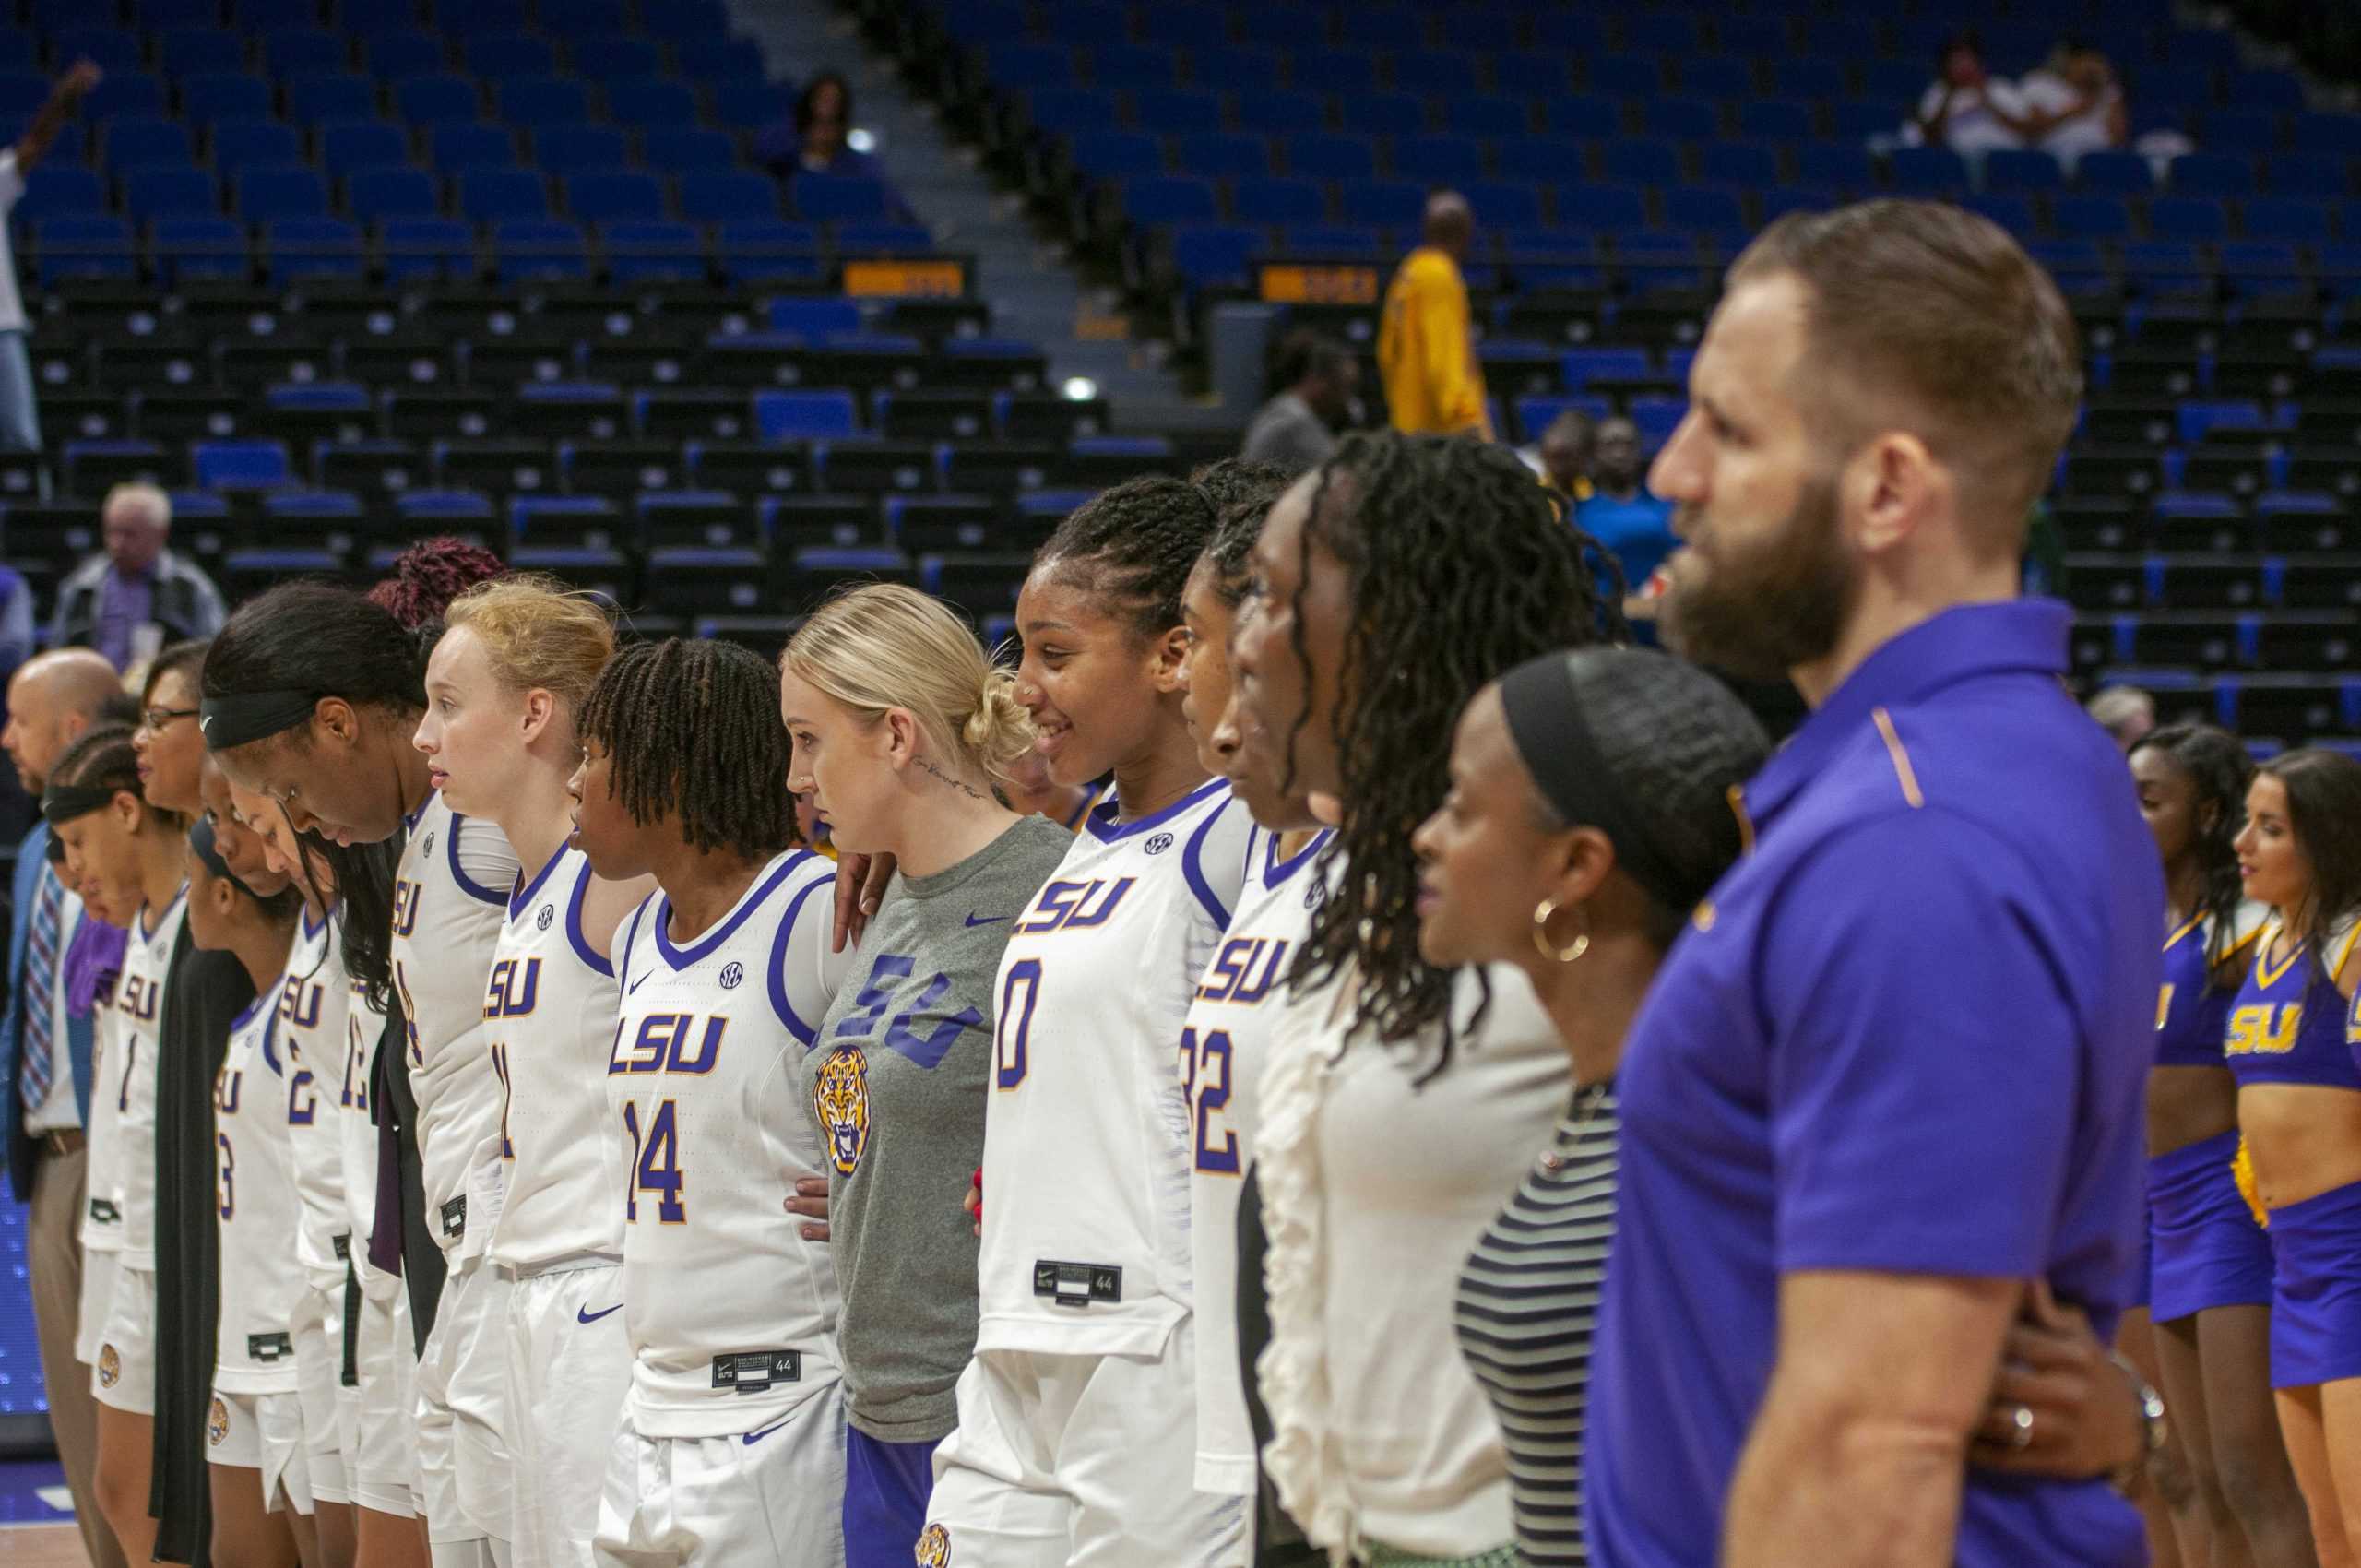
(1103, 827)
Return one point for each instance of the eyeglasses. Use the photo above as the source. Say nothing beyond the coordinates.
(157, 717)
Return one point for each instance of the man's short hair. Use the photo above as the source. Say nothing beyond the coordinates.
(1925, 317)
(149, 499)
(1303, 353)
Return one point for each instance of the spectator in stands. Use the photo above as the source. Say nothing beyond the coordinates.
(1295, 430)
(1965, 107)
(19, 415)
(1565, 452)
(2125, 712)
(1424, 352)
(1621, 512)
(815, 137)
(138, 595)
(2073, 104)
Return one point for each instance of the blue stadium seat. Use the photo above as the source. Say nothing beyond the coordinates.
(483, 15)
(497, 55)
(1118, 155)
(1345, 72)
(2198, 218)
(677, 150)
(2092, 217)
(1570, 32)
(1661, 32)
(1400, 30)
(2246, 133)
(350, 144)
(1700, 209)
(1739, 164)
(23, 90)
(427, 247)
(620, 197)
(398, 56)
(1541, 160)
(2114, 173)
(1809, 77)
(442, 508)
(686, 18)
(2164, 265)
(747, 105)
(2251, 266)
(1233, 71)
(126, 91)
(1274, 202)
(1438, 160)
(2288, 219)
(376, 195)
(1484, 114)
(532, 102)
(456, 145)
(1689, 119)
(806, 416)
(2336, 133)
(1281, 113)
(200, 247)
(1131, 66)
(638, 252)
(606, 58)
(2021, 170)
(1320, 156)
(1836, 166)
(1333, 241)
(766, 250)
(60, 190)
(1640, 160)
(210, 97)
(110, 49)
(719, 199)
(490, 193)
(1167, 198)
(1717, 76)
(312, 247)
(2078, 264)
(1928, 171)
(185, 52)
(135, 140)
(96, 245)
(575, 150)
(240, 144)
(2326, 175)
(816, 319)
(1608, 209)
(1538, 73)
(1184, 27)
(884, 238)
(1780, 200)
(717, 59)
(1020, 65)
(367, 17)
(1853, 121)
(833, 199)
(1502, 204)
(523, 248)
(295, 52)
(1225, 155)
(438, 100)
(2211, 175)
(650, 103)
(315, 98)
(155, 14)
(1774, 119)
(1176, 111)
(2280, 90)
(2012, 212)
(1216, 256)
(163, 190)
(1436, 74)
(1381, 204)
(267, 193)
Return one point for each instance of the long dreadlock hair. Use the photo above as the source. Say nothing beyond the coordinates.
(693, 729)
(1461, 568)
(2219, 770)
(1134, 545)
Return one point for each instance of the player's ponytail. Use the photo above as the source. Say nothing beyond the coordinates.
(884, 645)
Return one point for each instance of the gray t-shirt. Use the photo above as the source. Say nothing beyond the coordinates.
(896, 1085)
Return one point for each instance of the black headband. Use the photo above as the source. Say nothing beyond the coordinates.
(64, 803)
(201, 839)
(235, 719)
(1546, 721)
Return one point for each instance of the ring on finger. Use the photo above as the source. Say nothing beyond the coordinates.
(2021, 1424)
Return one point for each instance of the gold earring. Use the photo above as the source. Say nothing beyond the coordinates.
(1541, 916)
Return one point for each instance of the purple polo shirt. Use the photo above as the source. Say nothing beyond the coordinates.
(1908, 1033)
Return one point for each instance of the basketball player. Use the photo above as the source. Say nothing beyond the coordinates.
(2299, 1106)
(2210, 1264)
(730, 1449)
(901, 732)
(311, 696)
(1076, 1417)
(254, 1433)
(502, 689)
(134, 852)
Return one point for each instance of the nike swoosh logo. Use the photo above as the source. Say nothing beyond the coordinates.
(584, 1314)
(636, 984)
(973, 921)
(752, 1438)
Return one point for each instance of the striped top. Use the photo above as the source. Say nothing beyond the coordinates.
(1528, 1299)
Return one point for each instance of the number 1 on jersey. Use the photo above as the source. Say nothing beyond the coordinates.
(655, 1165)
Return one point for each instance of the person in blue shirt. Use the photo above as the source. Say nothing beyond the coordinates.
(1890, 1077)
(1619, 511)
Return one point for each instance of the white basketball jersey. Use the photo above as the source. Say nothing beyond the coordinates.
(139, 1007)
(450, 896)
(549, 1011)
(731, 1312)
(1088, 1137)
(254, 1192)
(1222, 1051)
(357, 1136)
(313, 1001)
(101, 1229)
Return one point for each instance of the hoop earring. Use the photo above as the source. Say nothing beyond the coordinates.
(1541, 916)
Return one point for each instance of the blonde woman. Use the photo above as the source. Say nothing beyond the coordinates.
(901, 731)
(502, 692)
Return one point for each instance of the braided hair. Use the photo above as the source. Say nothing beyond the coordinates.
(1243, 494)
(1461, 568)
(103, 758)
(2219, 770)
(693, 729)
(1231, 482)
(1134, 545)
(428, 575)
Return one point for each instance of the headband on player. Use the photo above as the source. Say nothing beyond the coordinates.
(1546, 721)
(201, 839)
(251, 716)
(64, 803)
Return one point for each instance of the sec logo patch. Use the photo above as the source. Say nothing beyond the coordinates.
(217, 1423)
(934, 1548)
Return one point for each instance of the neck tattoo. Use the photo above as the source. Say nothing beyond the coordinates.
(966, 789)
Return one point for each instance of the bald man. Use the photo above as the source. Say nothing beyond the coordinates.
(53, 701)
(1425, 354)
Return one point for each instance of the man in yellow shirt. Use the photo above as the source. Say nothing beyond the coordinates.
(1424, 352)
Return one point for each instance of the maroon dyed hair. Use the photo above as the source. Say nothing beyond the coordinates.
(429, 575)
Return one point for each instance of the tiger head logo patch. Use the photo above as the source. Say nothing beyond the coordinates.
(840, 1099)
(110, 1366)
(934, 1548)
(217, 1423)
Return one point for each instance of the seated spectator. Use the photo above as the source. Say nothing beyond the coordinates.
(2075, 106)
(1562, 456)
(816, 136)
(1621, 513)
(138, 596)
(1966, 109)
(1318, 377)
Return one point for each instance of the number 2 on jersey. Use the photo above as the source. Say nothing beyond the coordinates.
(655, 1165)
(1205, 1081)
